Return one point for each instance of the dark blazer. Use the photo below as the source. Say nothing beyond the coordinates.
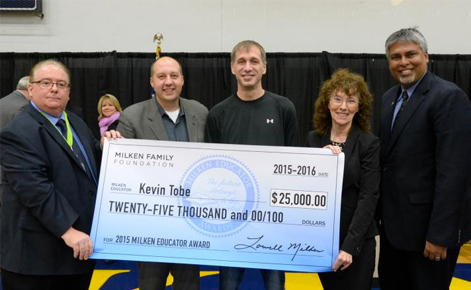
(426, 166)
(143, 121)
(45, 192)
(360, 188)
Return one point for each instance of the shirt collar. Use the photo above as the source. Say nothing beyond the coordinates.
(162, 111)
(50, 117)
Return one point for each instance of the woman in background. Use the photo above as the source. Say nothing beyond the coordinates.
(342, 124)
(109, 111)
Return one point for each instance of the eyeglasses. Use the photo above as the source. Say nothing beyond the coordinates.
(339, 101)
(47, 84)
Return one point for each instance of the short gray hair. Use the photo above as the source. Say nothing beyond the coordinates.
(411, 34)
(23, 83)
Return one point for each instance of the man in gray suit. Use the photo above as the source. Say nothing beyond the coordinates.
(166, 117)
(10, 106)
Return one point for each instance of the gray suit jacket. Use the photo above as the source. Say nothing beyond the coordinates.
(143, 121)
(10, 107)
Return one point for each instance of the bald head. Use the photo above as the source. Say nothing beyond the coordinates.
(167, 80)
(166, 59)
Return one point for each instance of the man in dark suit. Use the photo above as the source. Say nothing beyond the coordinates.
(425, 138)
(166, 117)
(49, 189)
(10, 106)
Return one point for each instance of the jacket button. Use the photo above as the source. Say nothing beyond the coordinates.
(385, 169)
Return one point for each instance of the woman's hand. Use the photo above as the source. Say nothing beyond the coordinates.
(333, 148)
(344, 259)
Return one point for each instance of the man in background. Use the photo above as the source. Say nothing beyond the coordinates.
(252, 116)
(10, 106)
(425, 200)
(166, 117)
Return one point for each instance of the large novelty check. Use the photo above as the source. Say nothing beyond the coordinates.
(216, 204)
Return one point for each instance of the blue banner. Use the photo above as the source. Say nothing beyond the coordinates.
(23, 5)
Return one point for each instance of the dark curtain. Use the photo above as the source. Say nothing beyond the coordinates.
(208, 77)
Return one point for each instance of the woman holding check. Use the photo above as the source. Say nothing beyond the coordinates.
(342, 124)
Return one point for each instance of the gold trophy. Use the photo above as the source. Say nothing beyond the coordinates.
(158, 37)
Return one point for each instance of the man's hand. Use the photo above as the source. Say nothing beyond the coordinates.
(344, 260)
(110, 135)
(80, 242)
(434, 252)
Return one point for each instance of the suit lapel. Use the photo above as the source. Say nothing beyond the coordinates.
(53, 132)
(389, 103)
(350, 143)
(82, 132)
(191, 122)
(156, 125)
(409, 110)
(192, 126)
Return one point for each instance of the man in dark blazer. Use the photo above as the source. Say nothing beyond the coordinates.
(166, 117)
(426, 168)
(49, 189)
(10, 106)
